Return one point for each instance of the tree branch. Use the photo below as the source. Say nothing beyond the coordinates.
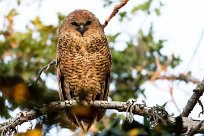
(115, 11)
(156, 113)
(198, 92)
(180, 77)
(45, 67)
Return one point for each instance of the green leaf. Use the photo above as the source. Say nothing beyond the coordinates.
(12, 12)
(122, 15)
(144, 6)
(157, 11)
(112, 38)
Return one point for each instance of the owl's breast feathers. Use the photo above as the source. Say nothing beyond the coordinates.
(85, 64)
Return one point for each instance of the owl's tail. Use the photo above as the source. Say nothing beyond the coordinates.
(72, 118)
(78, 122)
(85, 126)
(85, 116)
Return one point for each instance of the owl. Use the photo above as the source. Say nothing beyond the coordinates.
(83, 66)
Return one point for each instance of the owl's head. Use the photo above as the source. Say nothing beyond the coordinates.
(81, 22)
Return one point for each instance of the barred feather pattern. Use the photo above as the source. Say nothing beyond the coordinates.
(83, 69)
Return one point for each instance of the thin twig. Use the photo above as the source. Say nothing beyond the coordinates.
(172, 97)
(45, 67)
(180, 77)
(196, 49)
(115, 11)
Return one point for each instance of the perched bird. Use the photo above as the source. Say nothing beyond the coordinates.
(83, 65)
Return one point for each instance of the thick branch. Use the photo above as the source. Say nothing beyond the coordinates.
(139, 109)
(198, 92)
(190, 124)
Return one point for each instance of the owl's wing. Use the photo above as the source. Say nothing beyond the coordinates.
(63, 87)
(106, 90)
(106, 87)
(60, 80)
(64, 93)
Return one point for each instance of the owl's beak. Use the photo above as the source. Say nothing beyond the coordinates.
(81, 29)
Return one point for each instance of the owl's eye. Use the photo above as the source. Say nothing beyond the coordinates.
(88, 23)
(74, 23)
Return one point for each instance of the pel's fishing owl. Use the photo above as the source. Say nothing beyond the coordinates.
(83, 65)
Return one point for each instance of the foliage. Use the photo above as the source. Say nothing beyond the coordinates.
(23, 54)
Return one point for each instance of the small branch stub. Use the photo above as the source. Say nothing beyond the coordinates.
(115, 11)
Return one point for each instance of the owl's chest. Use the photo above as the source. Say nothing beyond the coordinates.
(86, 51)
(85, 46)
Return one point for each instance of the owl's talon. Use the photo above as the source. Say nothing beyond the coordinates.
(141, 106)
(129, 115)
(77, 99)
(131, 101)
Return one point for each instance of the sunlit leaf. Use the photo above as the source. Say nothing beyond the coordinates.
(134, 132)
(34, 132)
(20, 93)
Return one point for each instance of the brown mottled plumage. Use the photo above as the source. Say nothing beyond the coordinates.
(83, 65)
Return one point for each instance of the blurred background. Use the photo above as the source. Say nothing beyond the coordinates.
(157, 54)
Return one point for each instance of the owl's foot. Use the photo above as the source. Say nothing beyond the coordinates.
(76, 98)
(129, 115)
